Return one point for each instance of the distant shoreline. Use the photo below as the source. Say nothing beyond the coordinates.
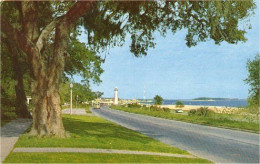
(201, 100)
(218, 109)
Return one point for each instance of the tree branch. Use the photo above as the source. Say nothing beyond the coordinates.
(17, 37)
(77, 10)
(23, 43)
(62, 34)
(45, 33)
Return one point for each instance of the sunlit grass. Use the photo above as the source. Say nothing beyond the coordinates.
(95, 158)
(95, 132)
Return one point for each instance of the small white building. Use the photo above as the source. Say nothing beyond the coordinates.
(116, 96)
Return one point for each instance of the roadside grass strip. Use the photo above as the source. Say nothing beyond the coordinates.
(91, 150)
(95, 158)
(94, 139)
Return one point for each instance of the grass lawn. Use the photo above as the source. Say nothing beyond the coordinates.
(95, 132)
(94, 158)
(215, 120)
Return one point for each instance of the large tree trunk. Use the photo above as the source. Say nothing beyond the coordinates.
(21, 107)
(47, 113)
(47, 118)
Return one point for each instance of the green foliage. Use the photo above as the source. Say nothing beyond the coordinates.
(202, 111)
(83, 62)
(87, 109)
(80, 93)
(158, 100)
(134, 105)
(8, 113)
(166, 110)
(192, 112)
(253, 81)
(179, 104)
(7, 79)
(204, 20)
(158, 109)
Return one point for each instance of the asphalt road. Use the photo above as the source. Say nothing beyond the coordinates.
(216, 144)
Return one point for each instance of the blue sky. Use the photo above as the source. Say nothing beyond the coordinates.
(175, 71)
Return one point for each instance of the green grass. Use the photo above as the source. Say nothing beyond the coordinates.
(95, 132)
(94, 158)
(215, 120)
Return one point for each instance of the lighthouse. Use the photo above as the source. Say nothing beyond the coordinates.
(116, 97)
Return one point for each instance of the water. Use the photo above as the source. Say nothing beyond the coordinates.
(226, 103)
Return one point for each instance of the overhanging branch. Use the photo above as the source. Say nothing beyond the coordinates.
(17, 37)
(45, 33)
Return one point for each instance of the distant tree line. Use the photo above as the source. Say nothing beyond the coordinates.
(81, 93)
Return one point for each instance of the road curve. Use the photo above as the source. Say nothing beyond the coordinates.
(216, 144)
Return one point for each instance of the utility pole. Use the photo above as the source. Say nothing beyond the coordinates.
(71, 86)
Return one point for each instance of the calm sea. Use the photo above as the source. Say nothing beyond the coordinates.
(227, 103)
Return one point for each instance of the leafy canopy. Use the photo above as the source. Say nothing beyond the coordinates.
(109, 23)
(179, 104)
(158, 100)
(253, 80)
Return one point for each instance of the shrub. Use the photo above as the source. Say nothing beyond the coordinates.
(192, 112)
(8, 113)
(134, 105)
(154, 108)
(166, 110)
(202, 111)
(179, 104)
(157, 109)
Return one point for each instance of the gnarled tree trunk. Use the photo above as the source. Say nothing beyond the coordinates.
(47, 118)
(47, 110)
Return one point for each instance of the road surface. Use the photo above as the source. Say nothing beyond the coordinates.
(215, 144)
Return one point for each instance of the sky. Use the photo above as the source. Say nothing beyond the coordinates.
(174, 71)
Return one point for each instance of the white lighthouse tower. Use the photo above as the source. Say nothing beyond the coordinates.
(116, 96)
